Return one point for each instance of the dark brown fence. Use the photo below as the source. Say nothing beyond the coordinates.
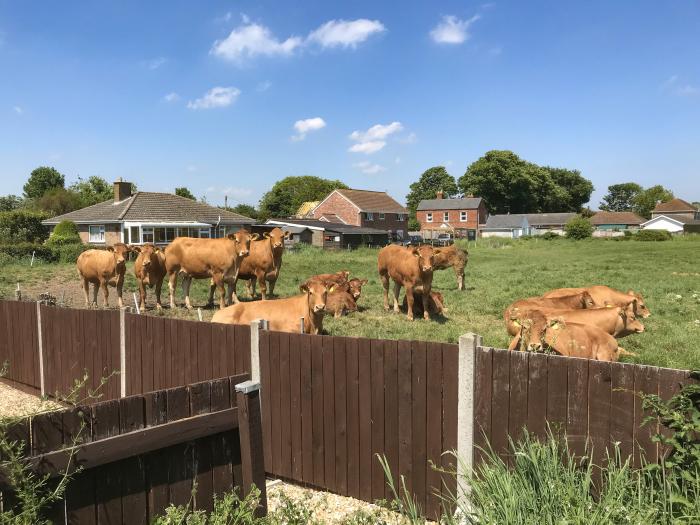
(19, 343)
(142, 453)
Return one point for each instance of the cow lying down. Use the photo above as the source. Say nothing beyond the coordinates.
(283, 315)
(436, 303)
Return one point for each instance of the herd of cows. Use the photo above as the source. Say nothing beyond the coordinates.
(572, 321)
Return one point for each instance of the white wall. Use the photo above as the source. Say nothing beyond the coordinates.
(662, 223)
(509, 234)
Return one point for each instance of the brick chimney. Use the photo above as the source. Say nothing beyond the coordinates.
(440, 194)
(122, 190)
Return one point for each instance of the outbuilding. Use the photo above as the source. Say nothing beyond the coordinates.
(335, 235)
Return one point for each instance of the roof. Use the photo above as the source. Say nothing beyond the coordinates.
(331, 217)
(306, 208)
(312, 224)
(616, 217)
(515, 220)
(674, 205)
(469, 203)
(373, 201)
(549, 219)
(146, 206)
(505, 222)
(673, 218)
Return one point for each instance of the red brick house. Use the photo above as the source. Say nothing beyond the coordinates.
(369, 209)
(461, 217)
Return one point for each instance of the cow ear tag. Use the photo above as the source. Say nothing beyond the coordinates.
(331, 288)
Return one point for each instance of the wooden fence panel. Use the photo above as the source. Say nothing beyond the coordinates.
(19, 345)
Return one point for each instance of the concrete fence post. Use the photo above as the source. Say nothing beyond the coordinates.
(251, 439)
(122, 352)
(465, 414)
(255, 327)
(40, 346)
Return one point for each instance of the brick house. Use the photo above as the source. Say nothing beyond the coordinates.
(676, 209)
(461, 217)
(369, 209)
(149, 217)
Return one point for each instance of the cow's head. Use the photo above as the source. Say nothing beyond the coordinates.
(316, 293)
(276, 237)
(120, 252)
(532, 327)
(426, 257)
(241, 240)
(587, 300)
(640, 307)
(355, 287)
(343, 275)
(149, 254)
(629, 318)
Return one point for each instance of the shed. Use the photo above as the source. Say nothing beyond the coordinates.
(335, 235)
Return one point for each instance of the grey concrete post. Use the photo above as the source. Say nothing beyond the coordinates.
(255, 327)
(42, 381)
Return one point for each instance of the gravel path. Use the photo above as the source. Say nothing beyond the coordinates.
(15, 403)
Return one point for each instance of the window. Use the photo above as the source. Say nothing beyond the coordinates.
(400, 217)
(463, 216)
(204, 233)
(183, 232)
(97, 233)
(446, 216)
(135, 237)
(381, 216)
(147, 235)
(126, 235)
(428, 217)
(369, 216)
(163, 235)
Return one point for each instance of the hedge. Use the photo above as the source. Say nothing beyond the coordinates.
(67, 253)
(22, 226)
(652, 235)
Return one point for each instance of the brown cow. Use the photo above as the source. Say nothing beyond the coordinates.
(353, 287)
(340, 302)
(618, 321)
(606, 296)
(436, 303)
(454, 257)
(284, 315)
(410, 268)
(520, 308)
(262, 263)
(216, 259)
(103, 268)
(149, 269)
(329, 279)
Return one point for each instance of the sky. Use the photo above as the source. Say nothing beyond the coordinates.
(226, 97)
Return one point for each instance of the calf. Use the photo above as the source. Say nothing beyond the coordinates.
(454, 257)
(283, 315)
(340, 302)
(410, 268)
(519, 308)
(581, 340)
(329, 279)
(263, 263)
(103, 268)
(436, 303)
(616, 320)
(606, 296)
(149, 269)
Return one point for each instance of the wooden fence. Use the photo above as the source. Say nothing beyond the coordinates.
(141, 453)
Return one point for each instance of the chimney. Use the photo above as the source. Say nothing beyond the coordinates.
(440, 194)
(122, 190)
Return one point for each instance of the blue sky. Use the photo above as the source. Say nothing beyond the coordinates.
(228, 97)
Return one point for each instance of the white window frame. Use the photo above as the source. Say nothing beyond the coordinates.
(369, 216)
(205, 233)
(428, 217)
(399, 217)
(463, 216)
(99, 237)
(446, 216)
(147, 231)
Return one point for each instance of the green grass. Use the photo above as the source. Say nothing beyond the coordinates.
(499, 272)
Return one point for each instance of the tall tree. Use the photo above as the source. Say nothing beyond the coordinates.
(246, 210)
(184, 192)
(41, 180)
(288, 194)
(93, 190)
(645, 201)
(576, 188)
(620, 197)
(58, 201)
(426, 187)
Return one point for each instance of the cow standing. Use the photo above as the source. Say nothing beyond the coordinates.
(263, 263)
(454, 257)
(410, 268)
(149, 269)
(103, 268)
(215, 259)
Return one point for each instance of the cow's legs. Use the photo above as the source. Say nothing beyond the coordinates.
(385, 285)
(250, 288)
(232, 294)
(105, 292)
(159, 288)
(186, 282)
(460, 278)
(142, 295)
(86, 289)
(172, 285)
(263, 285)
(219, 282)
(397, 292)
(409, 301)
(95, 288)
(212, 287)
(271, 285)
(120, 288)
(426, 302)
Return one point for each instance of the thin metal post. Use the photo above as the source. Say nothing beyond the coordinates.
(301, 325)
(199, 314)
(136, 304)
(255, 350)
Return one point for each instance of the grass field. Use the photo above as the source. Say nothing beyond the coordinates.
(499, 272)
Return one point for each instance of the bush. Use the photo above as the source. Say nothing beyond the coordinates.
(22, 226)
(550, 236)
(579, 228)
(24, 250)
(652, 235)
(68, 253)
(65, 232)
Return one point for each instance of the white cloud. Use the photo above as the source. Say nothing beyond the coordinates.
(369, 168)
(452, 30)
(217, 97)
(250, 40)
(155, 63)
(345, 33)
(674, 86)
(263, 86)
(374, 139)
(305, 126)
(171, 97)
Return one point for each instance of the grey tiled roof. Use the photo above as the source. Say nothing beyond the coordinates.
(468, 203)
(498, 222)
(549, 219)
(146, 206)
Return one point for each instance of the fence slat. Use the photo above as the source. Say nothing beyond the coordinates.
(434, 429)
(537, 395)
(364, 352)
(557, 383)
(340, 414)
(317, 383)
(328, 414)
(353, 416)
(517, 404)
(377, 377)
(500, 404)
(295, 404)
(483, 385)
(419, 422)
(450, 393)
(275, 406)
(405, 429)
(132, 470)
(285, 406)
(266, 396)
(599, 407)
(646, 380)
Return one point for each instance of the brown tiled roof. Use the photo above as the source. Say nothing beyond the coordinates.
(616, 217)
(331, 217)
(674, 205)
(152, 207)
(373, 201)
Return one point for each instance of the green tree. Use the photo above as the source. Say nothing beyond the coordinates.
(646, 200)
(576, 188)
(58, 201)
(578, 228)
(426, 187)
(288, 194)
(22, 226)
(184, 192)
(93, 190)
(246, 210)
(41, 180)
(10, 202)
(620, 197)
(65, 232)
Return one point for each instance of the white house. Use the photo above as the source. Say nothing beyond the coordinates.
(509, 226)
(663, 222)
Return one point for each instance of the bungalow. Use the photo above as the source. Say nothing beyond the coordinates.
(326, 234)
(149, 217)
(518, 224)
(461, 217)
(611, 223)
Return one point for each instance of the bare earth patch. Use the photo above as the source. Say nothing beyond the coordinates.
(15, 403)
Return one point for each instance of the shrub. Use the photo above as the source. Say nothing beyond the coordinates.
(22, 250)
(68, 253)
(550, 236)
(65, 232)
(652, 235)
(22, 226)
(579, 228)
